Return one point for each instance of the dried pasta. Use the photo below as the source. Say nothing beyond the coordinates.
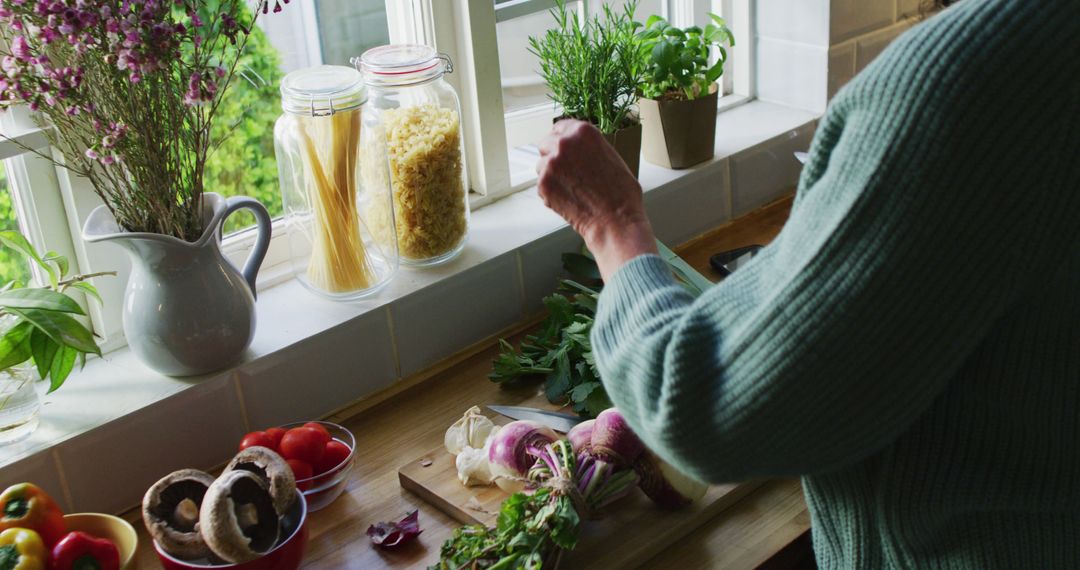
(423, 144)
(329, 149)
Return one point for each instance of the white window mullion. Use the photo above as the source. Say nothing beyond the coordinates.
(740, 18)
(79, 200)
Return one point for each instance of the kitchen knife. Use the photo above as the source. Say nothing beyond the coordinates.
(557, 421)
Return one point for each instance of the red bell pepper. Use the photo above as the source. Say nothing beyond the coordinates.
(27, 506)
(81, 551)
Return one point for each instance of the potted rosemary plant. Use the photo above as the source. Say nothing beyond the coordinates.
(40, 337)
(679, 90)
(130, 90)
(592, 70)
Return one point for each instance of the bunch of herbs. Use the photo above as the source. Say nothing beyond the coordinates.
(591, 66)
(676, 61)
(532, 531)
(561, 352)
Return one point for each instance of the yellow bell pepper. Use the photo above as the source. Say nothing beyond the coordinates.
(21, 549)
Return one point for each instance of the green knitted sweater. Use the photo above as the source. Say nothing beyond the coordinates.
(910, 342)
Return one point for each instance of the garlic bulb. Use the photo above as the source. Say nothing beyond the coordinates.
(471, 430)
(473, 467)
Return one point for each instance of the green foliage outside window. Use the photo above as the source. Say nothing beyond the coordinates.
(12, 265)
(243, 165)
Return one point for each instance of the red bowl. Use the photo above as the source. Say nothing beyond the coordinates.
(321, 490)
(287, 555)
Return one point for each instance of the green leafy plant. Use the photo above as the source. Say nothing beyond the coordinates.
(43, 328)
(530, 531)
(590, 65)
(561, 352)
(675, 61)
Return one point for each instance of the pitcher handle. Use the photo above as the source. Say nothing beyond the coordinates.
(262, 236)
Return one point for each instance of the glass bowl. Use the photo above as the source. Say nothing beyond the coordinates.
(321, 490)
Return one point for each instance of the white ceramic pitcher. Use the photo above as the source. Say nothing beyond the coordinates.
(187, 309)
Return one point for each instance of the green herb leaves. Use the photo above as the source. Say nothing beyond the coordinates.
(676, 61)
(590, 66)
(44, 330)
(529, 531)
(560, 351)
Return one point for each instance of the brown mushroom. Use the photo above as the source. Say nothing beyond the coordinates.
(170, 511)
(238, 519)
(272, 469)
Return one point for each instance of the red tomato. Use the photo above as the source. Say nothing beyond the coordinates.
(303, 443)
(321, 428)
(256, 438)
(301, 471)
(276, 434)
(335, 453)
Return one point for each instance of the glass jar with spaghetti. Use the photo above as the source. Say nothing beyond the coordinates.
(413, 145)
(317, 143)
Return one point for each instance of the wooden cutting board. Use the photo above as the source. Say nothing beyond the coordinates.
(632, 530)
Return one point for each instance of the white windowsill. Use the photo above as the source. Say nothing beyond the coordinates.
(509, 261)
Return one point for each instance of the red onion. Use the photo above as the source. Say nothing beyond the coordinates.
(665, 485)
(509, 453)
(580, 437)
(613, 440)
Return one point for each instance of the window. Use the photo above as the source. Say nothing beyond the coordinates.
(319, 32)
(11, 266)
(505, 110)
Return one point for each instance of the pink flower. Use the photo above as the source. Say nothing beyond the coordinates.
(20, 48)
(92, 154)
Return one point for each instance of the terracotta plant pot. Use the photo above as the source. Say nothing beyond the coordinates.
(679, 133)
(627, 142)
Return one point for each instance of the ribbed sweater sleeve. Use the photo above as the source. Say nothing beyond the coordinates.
(934, 197)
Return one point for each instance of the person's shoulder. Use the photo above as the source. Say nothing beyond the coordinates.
(972, 49)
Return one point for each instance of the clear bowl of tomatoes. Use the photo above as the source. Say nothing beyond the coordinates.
(321, 455)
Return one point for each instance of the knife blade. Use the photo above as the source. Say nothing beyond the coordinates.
(557, 421)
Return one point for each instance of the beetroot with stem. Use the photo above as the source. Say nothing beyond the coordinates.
(668, 487)
(580, 437)
(513, 450)
(613, 440)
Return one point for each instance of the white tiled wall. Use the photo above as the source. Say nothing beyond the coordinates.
(808, 49)
(792, 52)
(862, 29)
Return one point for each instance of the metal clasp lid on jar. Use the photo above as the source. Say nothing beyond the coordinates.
(322, 90)
(402, 64)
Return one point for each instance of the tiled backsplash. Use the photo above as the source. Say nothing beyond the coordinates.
(808, 49)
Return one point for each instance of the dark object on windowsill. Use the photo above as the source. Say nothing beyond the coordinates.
(726, 262)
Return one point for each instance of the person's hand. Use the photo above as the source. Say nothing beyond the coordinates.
(583, 179)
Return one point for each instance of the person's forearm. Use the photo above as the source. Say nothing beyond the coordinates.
(614, 244)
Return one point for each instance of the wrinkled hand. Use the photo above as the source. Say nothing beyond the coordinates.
(582, 178)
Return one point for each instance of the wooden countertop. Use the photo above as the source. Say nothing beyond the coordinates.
(395, 427)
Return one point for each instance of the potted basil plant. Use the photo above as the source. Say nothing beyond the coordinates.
(593, 71)
(40, 336)
(679, 90)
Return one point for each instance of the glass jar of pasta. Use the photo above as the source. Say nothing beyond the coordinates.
(413, 145)
(327, 205)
